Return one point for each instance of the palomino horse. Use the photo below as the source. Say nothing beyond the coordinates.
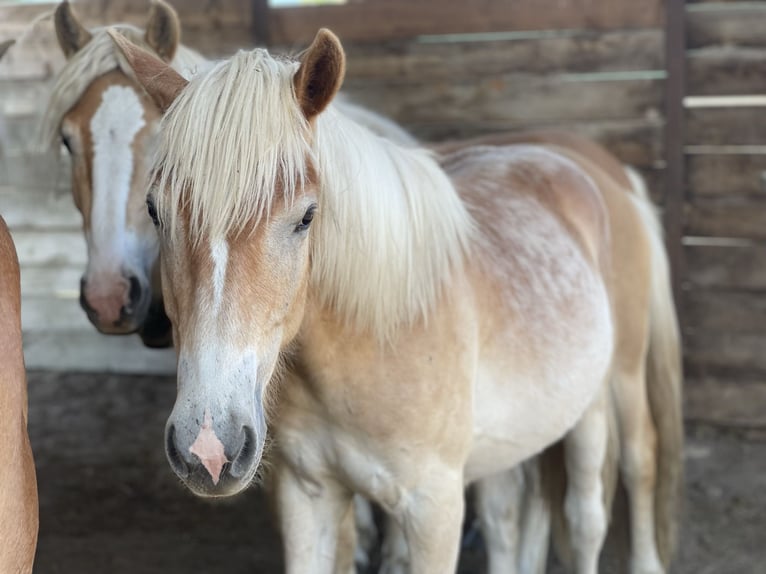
(441, 331)
(18, 484)
(107, 123)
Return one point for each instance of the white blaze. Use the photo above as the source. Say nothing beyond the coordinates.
(113, 128)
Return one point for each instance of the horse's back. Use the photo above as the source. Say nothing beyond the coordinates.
(18, 485)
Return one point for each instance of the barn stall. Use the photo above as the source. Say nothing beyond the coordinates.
(671, 88)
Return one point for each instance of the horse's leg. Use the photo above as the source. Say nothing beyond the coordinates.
(637, 465)
(536, 521)
(585, 450)
(432, 517)
(366, 531)
(310, 514)
(498, 506)
(395, 557)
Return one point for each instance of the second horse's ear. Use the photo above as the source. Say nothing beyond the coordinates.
(321, 72)
(163, 30)
(71, 34)
(159, 80)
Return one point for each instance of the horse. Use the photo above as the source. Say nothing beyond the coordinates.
(356, 317)
(94, 96)
(107, 123)
(18, 482)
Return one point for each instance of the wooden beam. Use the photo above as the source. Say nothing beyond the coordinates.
(375, 20)
(675, 89)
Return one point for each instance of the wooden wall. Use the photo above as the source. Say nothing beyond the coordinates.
(467, 67)
(724, 296)
(443, 69)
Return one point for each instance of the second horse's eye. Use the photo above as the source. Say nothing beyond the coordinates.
(152, 210)
(308, 217)
(67, 143)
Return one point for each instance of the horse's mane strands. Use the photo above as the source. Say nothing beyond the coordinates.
(391, 229)
(96, 58)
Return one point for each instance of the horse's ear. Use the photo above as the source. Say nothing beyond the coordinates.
(159, 80)
(4, 46)
(163, 30)
(72, 35)
(321, 72)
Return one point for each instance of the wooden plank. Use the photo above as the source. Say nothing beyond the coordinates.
(566, 51)
(716, 353)
(637, 142)
(726, 401)
(729, 175)
(740, 267)
(737, 24)
(56, 282)
(726, 71)
(28, 209)
(740, 219)
(50, 248)
(49, 314)
(510, 100)
(90, 351)
(731, 312)
(725, 126)
(374, 20)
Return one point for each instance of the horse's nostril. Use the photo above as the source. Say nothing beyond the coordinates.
(83, 301)
(242, 461)
(134, 295)
(174, 457)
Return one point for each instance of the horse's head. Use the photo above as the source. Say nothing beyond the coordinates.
(108, 124)
(234, 194)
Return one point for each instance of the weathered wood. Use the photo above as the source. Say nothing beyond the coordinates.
(57, 282)
(726, 126)
(717, 353)
(726, 175)
(50, 248)
(727, 71)
(27, 209)
(49, 314)
(374, 20)
(740, 219)
(726, 401)
(90, 351)
(509, 100)
(731, 312)
(740, 267)
(548, 53)
(736, 24)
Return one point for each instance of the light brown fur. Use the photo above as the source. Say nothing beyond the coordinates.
(18, 485)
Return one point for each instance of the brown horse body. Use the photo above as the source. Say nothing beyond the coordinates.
(18, 484)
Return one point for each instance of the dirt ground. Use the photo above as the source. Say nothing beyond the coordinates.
(109, 502)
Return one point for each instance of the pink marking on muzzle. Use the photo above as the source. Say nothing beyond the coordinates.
(209, 449)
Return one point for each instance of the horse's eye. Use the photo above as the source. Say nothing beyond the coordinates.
(152, 210)
(308, 217)
(67, 143)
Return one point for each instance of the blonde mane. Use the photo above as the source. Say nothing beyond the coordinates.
(391, 228)
(96, 58)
